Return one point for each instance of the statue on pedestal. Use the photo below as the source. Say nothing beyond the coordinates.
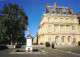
(29, 42)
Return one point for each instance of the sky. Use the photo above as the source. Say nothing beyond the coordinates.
(35, 8)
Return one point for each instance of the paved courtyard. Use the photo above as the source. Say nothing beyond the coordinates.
(58, 52)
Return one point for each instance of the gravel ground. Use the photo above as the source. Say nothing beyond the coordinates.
(74, 49)
(50, 53)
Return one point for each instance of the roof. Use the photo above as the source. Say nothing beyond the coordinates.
(57, 10)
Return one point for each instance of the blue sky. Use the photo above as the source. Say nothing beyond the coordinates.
(35, 8)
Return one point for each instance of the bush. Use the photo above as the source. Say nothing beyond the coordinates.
(52, 45)
(79, 43)
(47, 44)
(41, 43)
(3, 47)
(18, 46)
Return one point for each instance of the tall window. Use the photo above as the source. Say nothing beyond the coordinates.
(62, 39)
(61, 20)
(68, 39)
(72, 20)
(55, 29)
(61, 29)
(50, 39)
(66, 19)
(55, 19)
(67, 29)
(74, 40)
(49, 28)
(48, 19)
(56, 39)
(73, 29)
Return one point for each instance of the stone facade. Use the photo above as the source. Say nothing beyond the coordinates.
(60, 28)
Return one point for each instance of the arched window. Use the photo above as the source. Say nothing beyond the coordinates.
(56, 39)
(74, 40)
(62, 39)
(68, 39)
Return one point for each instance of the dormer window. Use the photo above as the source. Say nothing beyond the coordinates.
(53, 10)
(64, 11)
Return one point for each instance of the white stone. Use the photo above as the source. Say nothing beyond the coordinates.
(29, 44)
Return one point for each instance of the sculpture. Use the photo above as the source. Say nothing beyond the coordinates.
(28, 32)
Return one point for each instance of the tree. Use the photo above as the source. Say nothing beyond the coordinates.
(79, 43)
(3, 29)
(16, 22)
(47, 44)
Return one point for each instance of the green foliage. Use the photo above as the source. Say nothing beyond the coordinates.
(47, 44)
(79, 43)
(3, 47)
(41, 43)
(13, 23)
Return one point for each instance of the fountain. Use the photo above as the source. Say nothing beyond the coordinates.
(28, 47)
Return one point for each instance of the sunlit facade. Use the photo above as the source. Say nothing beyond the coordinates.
(58, 25)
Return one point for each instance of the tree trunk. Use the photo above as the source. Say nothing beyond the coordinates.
(11, 40)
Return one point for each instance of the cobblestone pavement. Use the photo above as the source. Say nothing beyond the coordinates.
(50, 53)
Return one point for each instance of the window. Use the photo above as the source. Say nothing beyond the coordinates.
(48, 19)
(72, 20)
(68, 39)
(67, 29)
(64, 11)
(61, 20)
(73, 29)
(62, 39)
(55, 29)
(50, 39)
(53, 10)
(66, 19)
(74, 40)
(55, 19)
(61, 29)
(49, 28)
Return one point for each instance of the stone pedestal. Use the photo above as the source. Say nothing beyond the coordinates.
(29, 44)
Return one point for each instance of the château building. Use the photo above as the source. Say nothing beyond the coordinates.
(58, 25)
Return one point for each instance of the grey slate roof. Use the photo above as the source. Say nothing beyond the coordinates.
(57, 10)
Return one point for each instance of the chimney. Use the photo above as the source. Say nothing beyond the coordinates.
(54, 4)
(47, 5)
(62, 5)
(71, 10)
(78, 14)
